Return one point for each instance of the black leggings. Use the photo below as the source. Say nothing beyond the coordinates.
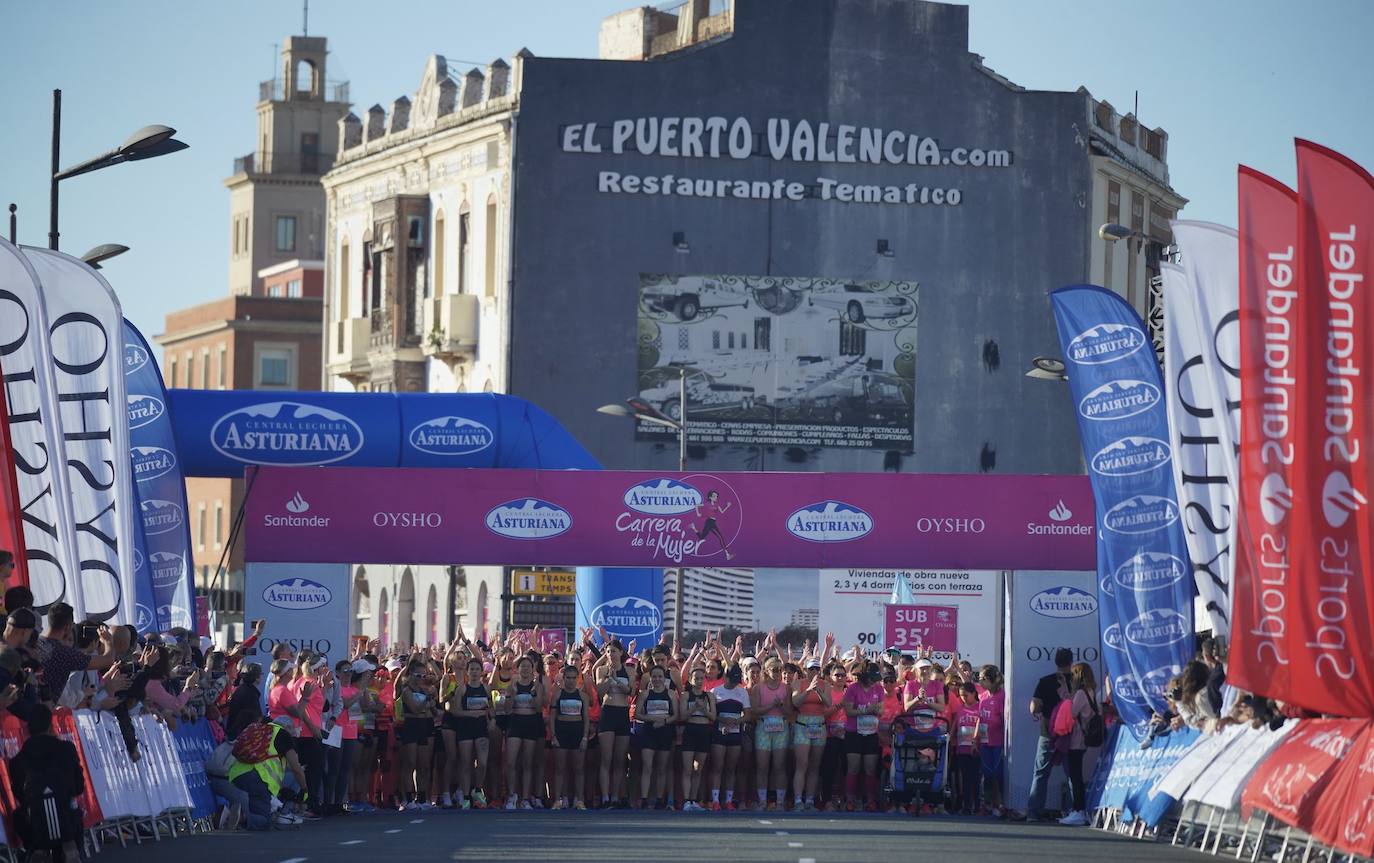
(969, 768)
(709, 528)
(832, 758)
(311, 754)
(1075, 771)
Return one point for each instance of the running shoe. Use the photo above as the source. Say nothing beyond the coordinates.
(510, 803)
(536, 803)
(525, 805)
(425, 806)
(1074, 819)
(715, 805)
(446, 800)
(772, 807)
(579, 806)
(559, 804)
(730, 806)
(479, 799)
(870, 806)
(464, 804)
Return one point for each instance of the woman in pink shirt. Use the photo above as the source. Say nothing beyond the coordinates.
(156, 694)
(966, 733)
(281, 700)
(992, 707)
(863, 703)
(309, 693)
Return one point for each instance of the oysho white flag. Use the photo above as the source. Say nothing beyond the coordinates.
(49, 532)
(1202, 369)
(86, 343)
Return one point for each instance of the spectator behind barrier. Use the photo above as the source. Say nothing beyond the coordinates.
(47, 780)
(61, 659)
(1049, 691)
(6, 568)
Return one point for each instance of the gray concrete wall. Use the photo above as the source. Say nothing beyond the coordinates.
(984, 267)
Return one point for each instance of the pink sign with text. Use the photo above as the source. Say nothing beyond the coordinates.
(637, 518)
(910, 626)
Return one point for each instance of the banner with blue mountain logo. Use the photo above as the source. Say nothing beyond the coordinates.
(1144, 578)
(162, 534)
(626, 602)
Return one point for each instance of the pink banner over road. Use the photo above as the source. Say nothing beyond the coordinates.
(636, 518)
(933, 626)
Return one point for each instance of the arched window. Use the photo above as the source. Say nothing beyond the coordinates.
(405, 609)
(305, 77)
(362, 603)
(432, 606)
(341, 303)
(489, 265)
(384, 622)
(438, 252)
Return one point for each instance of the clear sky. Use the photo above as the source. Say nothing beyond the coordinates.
(1231, 81)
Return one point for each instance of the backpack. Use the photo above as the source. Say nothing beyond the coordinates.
(220, 760)
(50, 804)
(1095, 730)
(254, 744)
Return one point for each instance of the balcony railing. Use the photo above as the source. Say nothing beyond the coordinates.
(311, 164)
(451, 324)
(275, 90)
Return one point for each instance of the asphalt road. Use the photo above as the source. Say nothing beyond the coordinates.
(632, 837)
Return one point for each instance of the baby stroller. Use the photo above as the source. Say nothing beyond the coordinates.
(919, 754)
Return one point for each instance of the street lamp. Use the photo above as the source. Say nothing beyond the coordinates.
(147, 143)
(103, 252)
(1048, 369)
(638, 409)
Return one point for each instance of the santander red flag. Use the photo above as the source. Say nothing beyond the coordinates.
(1332, 549)
(1343, 816)
(1262, 657)
(1290, 781)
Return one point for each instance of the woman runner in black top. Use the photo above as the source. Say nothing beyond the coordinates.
(657, 713)
(613, 685)
(699, 715)
(526, 696)
(568, 732)
(469, 706)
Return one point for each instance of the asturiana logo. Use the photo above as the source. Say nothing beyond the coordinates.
(161, 516)
(138, 560)
(528, 518)
(296, 594)
(662, 497)
(286, 433)
(168, 568)
(1118, 400)
(1063, 602)
(135, 358)
(451, 436)
(1156, 683)
(1112, 637)
(1157, 627)
(628, 617)
(1125, 687)
(151, 462)
(830, 521)
(1150, 570)
(1105, 343)
(144, 410)
(143, 618)
(1130, 456)
(1141, 513)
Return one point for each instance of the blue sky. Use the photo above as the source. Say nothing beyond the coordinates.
(1231, 81)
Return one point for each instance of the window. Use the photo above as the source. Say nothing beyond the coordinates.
(438, 254)
(219, 523)
(731, 340)
(489, 265)
(172, 372)
(190, 370)
(293, 288)
(853, 340)
(684, 339)
(274, 290)
(763, 334)
(715, 340)
(343, 281)
(274, 366)
(743, 340)
(223, 366)
(205, 368)
(200, 526)
(236, 236)
(286, 233)
(463, 223)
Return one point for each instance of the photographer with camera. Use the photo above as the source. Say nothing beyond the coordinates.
(61, 659)
(90, 688)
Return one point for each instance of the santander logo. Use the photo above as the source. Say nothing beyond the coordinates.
(1276, 499)
(297, 505)
(1061, 512)
(1340, 499)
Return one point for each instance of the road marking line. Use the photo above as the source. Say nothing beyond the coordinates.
(761, 821)
(806, 860)
(794, 844)
(295, 860)
(353, 842)
(396, 830)
(418, 821)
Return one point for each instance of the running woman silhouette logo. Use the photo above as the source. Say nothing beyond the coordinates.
(708, 513)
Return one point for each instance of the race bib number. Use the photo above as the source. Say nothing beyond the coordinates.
(772, 724)
(655, 708)
(569, 707)
(815, 732)
(965, 735)
(524, 699)
(730, 723)
(837, 729)
(867, 724)
(475, 702)
(355, 713)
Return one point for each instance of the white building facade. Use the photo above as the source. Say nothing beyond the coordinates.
(714, 598)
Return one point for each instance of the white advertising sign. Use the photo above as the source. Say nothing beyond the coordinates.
(1045, 611)
(49, 535)
(1242, 757)
(306, 605)
(1209, 749)
(852, 601)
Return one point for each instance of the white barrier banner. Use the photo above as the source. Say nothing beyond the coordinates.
(1207, 750)
(86, 341)
(40, 471)
(1241, 761)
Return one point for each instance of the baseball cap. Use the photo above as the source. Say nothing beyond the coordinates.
(924, 663)
(749, 660)
(394, 665)
(814, 663)
(362, 666)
